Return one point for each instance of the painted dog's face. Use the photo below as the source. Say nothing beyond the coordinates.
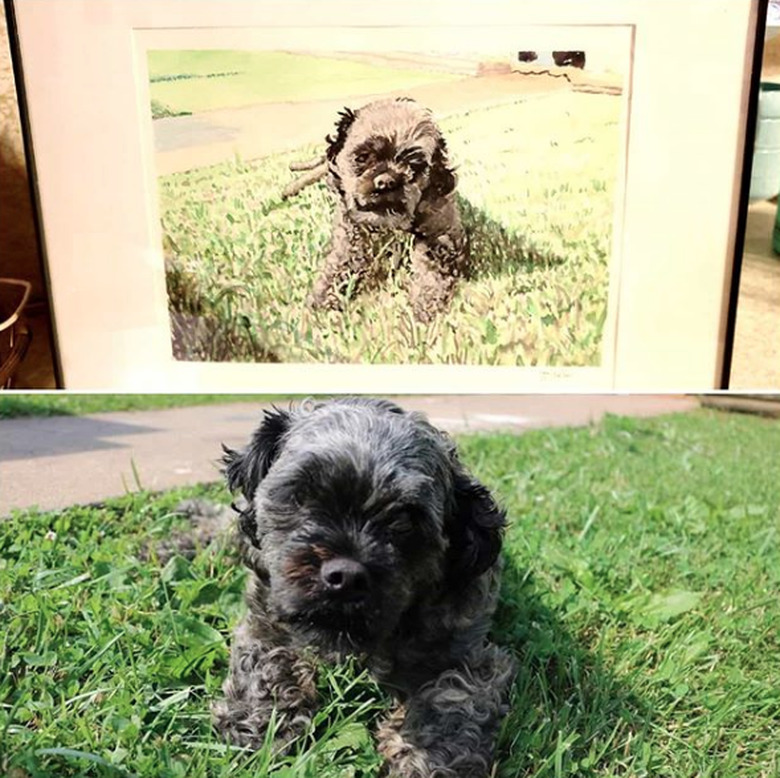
(358, 511)
(385, 160)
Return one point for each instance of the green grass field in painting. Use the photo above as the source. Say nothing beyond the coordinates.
(536, 190)
(194, 81)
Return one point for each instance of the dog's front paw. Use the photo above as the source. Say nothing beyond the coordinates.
(322, 298)
(267, 689)
(403, 759)
(248, 726)
(238, 725)
(413, 767)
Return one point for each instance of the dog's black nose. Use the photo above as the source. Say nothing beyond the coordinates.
(344, 576)
(384, 182)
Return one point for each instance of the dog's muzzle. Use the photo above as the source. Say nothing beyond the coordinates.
(381, 203)
(386, 182)
(384, 194)
(345, 579)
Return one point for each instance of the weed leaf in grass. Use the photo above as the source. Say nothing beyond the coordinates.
(649, 611)
(177, 568)
(202, 646)
(72, 754)
(354, 736)
(194, 633)
(49, 659)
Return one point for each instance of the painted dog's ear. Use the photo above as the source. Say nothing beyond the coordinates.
(245, 469)
(442, 177)
(336, 142)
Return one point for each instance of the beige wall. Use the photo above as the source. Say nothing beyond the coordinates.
(18, 247)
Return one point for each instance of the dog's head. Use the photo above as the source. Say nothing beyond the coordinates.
(357, 512)
(385, 158)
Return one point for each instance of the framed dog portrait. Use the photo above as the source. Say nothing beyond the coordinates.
(338, 196)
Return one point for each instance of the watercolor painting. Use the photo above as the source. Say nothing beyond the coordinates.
(389, 207)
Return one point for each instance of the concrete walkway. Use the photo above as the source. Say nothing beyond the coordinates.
(56, 462)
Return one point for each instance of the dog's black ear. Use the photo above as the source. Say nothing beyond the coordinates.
(475, 529)
(243, 472)
(442, 178)
(336, 142)
(245, 469)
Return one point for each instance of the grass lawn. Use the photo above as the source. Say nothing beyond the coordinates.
(59, 404)
(194, 81)
(640, 596)
(536, 182)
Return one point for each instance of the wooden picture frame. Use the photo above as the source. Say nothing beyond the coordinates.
(677, 196)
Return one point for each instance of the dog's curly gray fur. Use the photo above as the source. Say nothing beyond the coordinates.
(363, 480)
(387, 164)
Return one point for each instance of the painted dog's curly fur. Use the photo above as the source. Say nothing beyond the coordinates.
(387, 164)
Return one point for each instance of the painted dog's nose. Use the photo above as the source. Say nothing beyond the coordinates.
(384, 182)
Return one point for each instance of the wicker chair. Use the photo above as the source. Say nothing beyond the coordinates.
(14, 333)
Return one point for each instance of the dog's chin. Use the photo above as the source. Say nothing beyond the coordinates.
(340, 630)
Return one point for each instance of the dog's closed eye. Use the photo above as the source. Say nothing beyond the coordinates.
(402, 524)
(413, 158)
(362, 158)
(409, 526)
(399, 524)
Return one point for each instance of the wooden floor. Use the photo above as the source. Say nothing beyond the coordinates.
(756, 360)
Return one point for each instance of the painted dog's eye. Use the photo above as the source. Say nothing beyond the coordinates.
(414, 159)
(362, 158)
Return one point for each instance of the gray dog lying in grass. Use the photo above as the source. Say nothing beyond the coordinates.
(387, 165)
(365, 536)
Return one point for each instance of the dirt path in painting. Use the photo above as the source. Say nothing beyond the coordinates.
(188, 142)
